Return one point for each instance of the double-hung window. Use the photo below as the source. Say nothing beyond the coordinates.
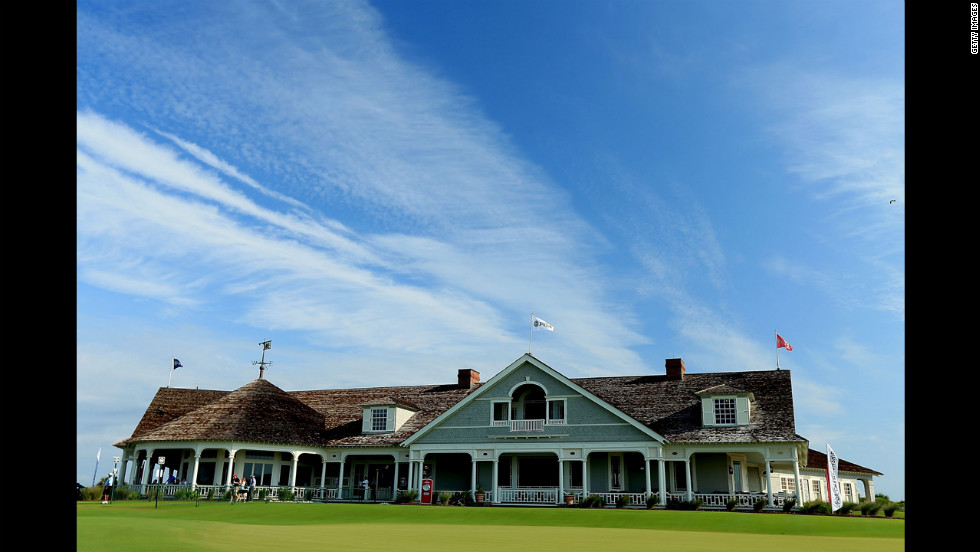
(379, 419)
(724, 411)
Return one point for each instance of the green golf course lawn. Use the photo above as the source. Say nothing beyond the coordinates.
(139, 526)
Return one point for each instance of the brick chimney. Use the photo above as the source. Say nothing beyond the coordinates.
(675, 368)
(466, 378)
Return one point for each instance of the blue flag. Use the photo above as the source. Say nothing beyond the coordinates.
(177, 364)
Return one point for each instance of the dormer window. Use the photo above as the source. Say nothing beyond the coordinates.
(379, 419)
(385, 415)
(723, 406)
(725, 411)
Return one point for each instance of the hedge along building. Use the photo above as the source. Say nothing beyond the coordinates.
(527, 435)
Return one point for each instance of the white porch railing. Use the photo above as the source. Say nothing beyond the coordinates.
(527, 425)
(632, 499)
(745, 500)
(525, 495)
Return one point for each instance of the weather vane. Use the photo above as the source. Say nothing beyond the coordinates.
(265, 346)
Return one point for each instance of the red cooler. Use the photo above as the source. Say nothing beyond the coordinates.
(426, 491)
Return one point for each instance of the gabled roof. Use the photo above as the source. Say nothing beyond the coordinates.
(529, 359)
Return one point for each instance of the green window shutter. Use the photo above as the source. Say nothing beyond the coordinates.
(742, 410)
(708, 411)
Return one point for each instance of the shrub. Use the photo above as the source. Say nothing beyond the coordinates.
(651, 501)
(286, 495)
(815, 507)
(675, 504)
(890, 508)
(461, 499)
(593, 501)
(870, 508)
(185, 494)
(731, 503)
(263, 493)
(91, 493)
(621, 501)
(788, 504)
(444, 498)
(845, 508)
(406, 497)
(758, 505)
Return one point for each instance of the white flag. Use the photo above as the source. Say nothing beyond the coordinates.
(833, 484)
(542, 325)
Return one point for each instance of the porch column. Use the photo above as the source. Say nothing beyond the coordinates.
(148, 469)
(122, 469)
(768, 474)
(687, 476)
(662, 480)
(197, 463)
(561, 480)
(796, 476)
(869, 488)
(585, 473)
(411, 474)
(323, 473)
(585, 479)
(292, 470)
(473, 476)
(496, 469)
(646, 467)
(340, 480)
(231, 466)
(394, 479)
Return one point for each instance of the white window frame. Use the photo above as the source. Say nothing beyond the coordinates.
(564, 412)
(379, 414)
(622, 472)
(493, 411)
(787, 484)
(710, 412)
(725, 410)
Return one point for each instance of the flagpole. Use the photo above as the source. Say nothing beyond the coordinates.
(531, 333)
(777, 348)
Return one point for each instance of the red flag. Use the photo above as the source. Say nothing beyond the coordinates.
(780, 342)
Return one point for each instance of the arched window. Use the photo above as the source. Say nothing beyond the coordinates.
(528, 402)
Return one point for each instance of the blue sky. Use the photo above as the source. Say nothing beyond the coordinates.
(388, 190)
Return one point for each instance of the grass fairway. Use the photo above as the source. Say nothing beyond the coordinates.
(134, 526)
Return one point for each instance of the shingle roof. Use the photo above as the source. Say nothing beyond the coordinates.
(343, 410)
(818, 461)
(256, 412)
(262, 412)
(672, 407)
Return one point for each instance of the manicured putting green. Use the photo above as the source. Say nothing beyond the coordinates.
(302, 527)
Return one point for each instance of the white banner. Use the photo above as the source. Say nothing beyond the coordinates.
(833, 484)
